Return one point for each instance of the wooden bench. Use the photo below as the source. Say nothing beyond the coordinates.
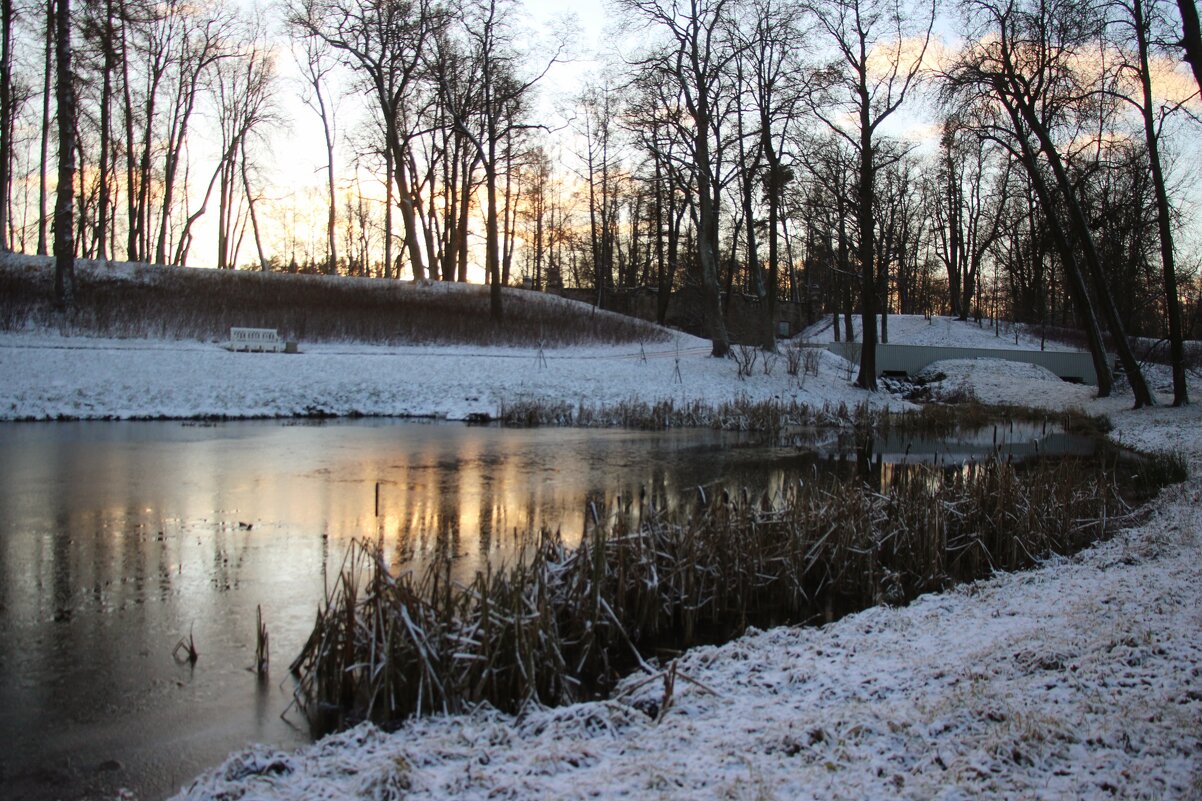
(263, 340)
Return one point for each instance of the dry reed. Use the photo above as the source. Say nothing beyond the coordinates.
(564, 624)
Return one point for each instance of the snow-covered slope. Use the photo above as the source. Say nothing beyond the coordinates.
(48, 376)
(915, 329)
(51, 377)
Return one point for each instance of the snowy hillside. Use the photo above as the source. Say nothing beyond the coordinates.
(915, 329)
(49, 376)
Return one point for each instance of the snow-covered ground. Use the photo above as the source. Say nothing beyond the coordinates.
(47, 376)
(52, 377)
(1080, 679)
(915, 329)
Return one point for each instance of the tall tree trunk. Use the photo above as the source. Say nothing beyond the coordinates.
(408, 215)
(390, 166)
(491, 241)
(106, 112)
(64, 207)
(866, 222)
(1191, 38)
(7, 18)
(766, 326)
(131, 206)
(492, 249)
(775, 177)
(661, 268)
(507, 232)
(1163, 210)
(47, 88)
(465, 203)
(250, 205)
(707, 245)
(332, 212)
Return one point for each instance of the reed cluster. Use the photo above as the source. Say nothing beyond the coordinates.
(565, 623)
(771, 417)
(774, 417)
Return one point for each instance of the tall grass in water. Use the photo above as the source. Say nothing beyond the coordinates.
(770, 417)
(564, 624)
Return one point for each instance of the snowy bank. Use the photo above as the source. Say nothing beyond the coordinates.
(1081, 679)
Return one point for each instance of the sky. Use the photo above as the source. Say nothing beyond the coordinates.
(294, 155)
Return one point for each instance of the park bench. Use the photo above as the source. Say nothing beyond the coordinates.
(255, 339)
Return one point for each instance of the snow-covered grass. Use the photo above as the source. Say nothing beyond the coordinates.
(1079, 679)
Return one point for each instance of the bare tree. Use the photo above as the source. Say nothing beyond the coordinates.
(242, 89)
(204, 43)
(316, 69)
(829, 211)
(881, 45)
(64, 206)
(968, 217)
(597, 125)
(498, 109)
(691, 70)
(385, 42)
(1024, 56)
(768, 48)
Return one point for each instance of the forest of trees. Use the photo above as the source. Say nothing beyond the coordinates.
(1029, 162)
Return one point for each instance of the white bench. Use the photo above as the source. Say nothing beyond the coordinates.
(255, 339)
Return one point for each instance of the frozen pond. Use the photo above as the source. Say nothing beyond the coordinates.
(117, 539)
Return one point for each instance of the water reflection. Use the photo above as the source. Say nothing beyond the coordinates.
(118, 539)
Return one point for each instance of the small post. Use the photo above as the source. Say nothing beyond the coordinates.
(262, 655)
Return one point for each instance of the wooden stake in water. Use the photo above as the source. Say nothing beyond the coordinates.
(262, 653)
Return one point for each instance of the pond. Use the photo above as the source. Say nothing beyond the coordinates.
(119, 539)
